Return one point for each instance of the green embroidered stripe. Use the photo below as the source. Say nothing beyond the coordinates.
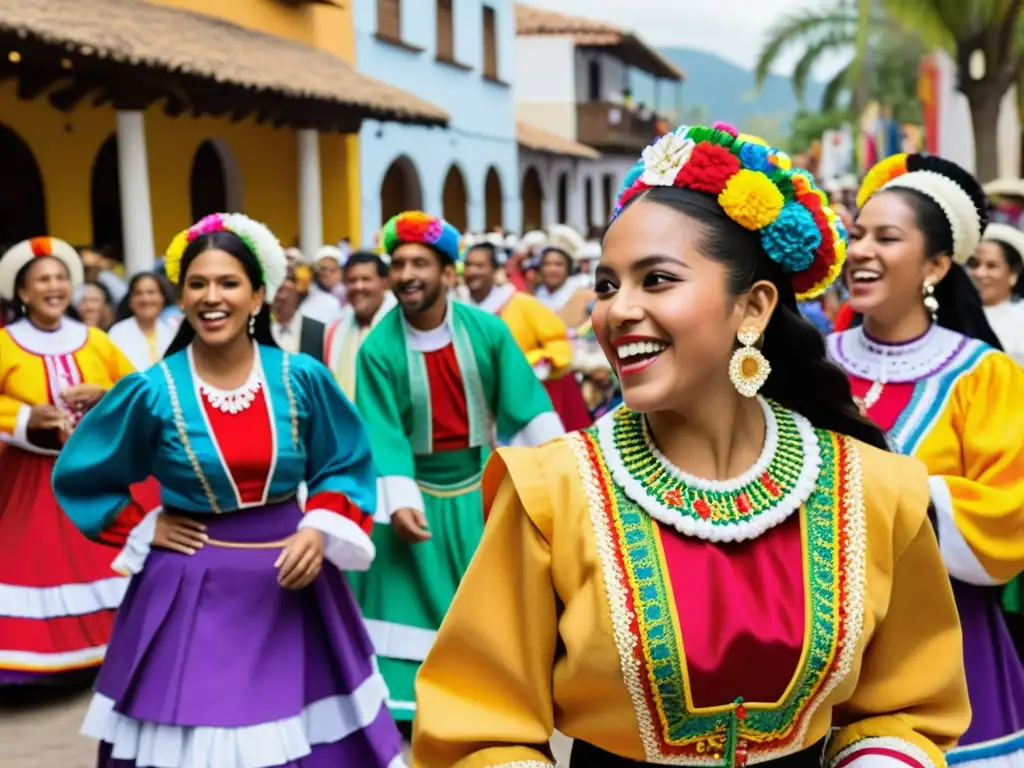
(662, 650)
(476, 404)
(422, 437)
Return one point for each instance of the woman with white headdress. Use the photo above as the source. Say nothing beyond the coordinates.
(58, 592)
(239, 643)
(925, 366)
(996, 268)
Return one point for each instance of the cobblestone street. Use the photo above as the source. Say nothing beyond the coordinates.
(39, 729)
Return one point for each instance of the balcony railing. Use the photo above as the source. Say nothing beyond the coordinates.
(614, 127)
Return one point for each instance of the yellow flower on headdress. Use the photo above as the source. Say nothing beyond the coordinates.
(751, 200)
(880, 175)
(172, 258)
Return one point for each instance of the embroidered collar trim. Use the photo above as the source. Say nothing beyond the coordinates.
(740, 509)
(235, 400)
(69, 338)
(860, 355)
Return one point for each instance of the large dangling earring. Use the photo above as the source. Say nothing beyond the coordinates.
(930, 302)
(252, 325)
(748, 369)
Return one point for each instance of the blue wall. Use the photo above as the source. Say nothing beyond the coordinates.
(481, 132)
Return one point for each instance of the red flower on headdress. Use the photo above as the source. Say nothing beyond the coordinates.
(631, 192)
(415, 227)
(709, 168)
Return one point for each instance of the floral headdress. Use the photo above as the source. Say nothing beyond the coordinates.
(758, 188)
(952, 189)
(269, 254)
(422, 228)
(16, 257)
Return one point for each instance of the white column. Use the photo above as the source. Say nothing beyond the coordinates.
(136, 210)
(311, 214)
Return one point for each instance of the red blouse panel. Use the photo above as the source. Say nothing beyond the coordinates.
(244, 441)
(450, 415)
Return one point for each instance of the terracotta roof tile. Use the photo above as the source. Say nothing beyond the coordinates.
(539, 140)
(532, 21)
(180, 41)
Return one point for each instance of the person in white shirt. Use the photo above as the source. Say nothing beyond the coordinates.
(996, 269)
(141, 333)
(292, 329)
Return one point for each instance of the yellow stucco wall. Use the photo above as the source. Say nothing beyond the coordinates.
(65, 146)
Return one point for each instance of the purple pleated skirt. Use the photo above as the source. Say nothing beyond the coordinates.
(995, 679)
(212, 640)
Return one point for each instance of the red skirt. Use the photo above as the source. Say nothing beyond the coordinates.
(567, 399)
(58, 593)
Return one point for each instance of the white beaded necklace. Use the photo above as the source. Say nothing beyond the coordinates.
(235, 400)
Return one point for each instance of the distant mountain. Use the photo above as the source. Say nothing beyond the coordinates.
(725, 91)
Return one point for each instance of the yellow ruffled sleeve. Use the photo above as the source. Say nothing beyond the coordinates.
(484, 693)
(910, 703)
(114, 360)
(13, 412)
(980, 511)
(551, 335)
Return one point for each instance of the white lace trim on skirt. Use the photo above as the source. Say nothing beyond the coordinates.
(63, 600)
(151, 745)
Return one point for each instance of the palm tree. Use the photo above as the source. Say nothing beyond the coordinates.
(986, 40)
(882, 59)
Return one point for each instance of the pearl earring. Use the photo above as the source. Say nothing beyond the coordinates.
(930, 302)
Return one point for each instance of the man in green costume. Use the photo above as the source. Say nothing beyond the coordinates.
(438, 383)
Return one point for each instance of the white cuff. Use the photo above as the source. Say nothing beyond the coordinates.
(19, 437)
(962, 563)
(398, 641)
(882, 752)
(540, 430)
(395, 492)
(543, 370)
(132, 556)
(346, 546)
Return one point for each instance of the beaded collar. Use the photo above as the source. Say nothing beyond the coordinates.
(860, 355)
(740, 509)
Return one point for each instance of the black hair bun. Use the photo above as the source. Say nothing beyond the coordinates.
(956, 174)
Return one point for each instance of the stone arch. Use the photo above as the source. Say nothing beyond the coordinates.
(105, 194)
(216, 180)
(533, 200)
(455, 199)
(563, 197)
(22, 194)
(494, 203)
(400, 188)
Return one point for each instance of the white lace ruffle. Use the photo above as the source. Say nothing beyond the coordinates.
(133, 555)
(151, 745)
(64, 600)
(346, 546)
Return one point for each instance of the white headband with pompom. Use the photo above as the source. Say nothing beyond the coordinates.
(956, 204)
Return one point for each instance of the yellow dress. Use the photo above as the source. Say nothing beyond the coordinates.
(58, 592)
(571, 616)
(955, 404)
(538, 331)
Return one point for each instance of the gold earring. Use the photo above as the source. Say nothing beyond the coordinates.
(748, 368)
(930, 302)
(252, 325)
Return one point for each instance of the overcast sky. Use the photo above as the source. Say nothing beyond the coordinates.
(736, 34)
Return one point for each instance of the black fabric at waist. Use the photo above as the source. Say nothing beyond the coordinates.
(586, 755)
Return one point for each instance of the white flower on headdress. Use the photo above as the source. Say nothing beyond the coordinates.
(664, 158)
(268, 251)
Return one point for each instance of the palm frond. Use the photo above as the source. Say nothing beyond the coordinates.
(830, 44)
(794, 30)
(835, 88)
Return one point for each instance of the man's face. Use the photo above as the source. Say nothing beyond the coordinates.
(479, 271)
(287, 298)
(417, 277)
(328, 273)
(365, 290)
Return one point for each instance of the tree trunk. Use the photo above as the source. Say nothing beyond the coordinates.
(984, 101)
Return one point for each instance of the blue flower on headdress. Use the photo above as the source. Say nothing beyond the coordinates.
(792, 238)
(755, 157)
(632, 175)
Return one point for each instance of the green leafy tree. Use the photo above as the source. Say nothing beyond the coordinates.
(986, 40)
(881, 59)
(808, 126)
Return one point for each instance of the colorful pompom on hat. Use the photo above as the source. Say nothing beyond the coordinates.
(422, 228)
(261, 242)
(949, 186)
(758, 188)
(16, 257)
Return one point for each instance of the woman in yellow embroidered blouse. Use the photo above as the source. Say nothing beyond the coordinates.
(659, 618)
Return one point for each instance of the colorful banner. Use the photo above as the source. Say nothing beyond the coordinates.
(928, 80)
